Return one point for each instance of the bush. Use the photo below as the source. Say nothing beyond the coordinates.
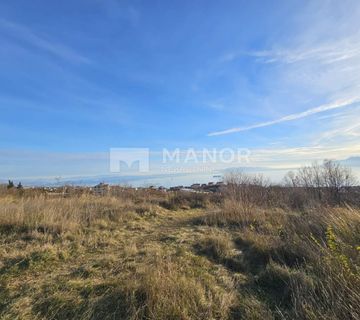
(186, 200)
(217, 246)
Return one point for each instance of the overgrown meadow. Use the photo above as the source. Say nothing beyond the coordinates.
(251, 251)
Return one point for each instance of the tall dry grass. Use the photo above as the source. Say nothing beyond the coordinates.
(56, 215)
(307, 263)
(114, 257)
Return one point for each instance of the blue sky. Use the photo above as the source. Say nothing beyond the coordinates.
(80, 77)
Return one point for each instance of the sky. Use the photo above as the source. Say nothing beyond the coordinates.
(77, 78)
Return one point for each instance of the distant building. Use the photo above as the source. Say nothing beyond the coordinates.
(177, 188)
(188, 190)
(101, 189)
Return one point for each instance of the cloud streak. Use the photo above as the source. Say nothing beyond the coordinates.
(295, 116)
(56, 49)
(328, 53)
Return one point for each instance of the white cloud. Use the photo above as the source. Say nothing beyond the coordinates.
(53, 47)
(326, 107)
(327, 53)
(345, 128)
(315, 61)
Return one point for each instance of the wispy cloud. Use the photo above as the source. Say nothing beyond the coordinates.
(326, 53)
(121, 10)
(50, 46)
(295, 116)
(344, 128)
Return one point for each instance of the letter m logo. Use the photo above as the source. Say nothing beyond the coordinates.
(129, 158)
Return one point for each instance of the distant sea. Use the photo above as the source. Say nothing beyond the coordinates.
(165, 180)
(157, 180)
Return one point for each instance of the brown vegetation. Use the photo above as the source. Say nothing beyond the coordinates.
(142, 254)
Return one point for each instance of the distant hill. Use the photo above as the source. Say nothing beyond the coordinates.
(351, 162)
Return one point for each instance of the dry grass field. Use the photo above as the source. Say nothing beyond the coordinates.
(155, 255)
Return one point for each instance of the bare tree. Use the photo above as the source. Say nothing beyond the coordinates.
(328, 180)
(291, 180)
(246, 190)
(337, 179)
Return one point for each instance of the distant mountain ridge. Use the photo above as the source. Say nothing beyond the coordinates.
(351, 162)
